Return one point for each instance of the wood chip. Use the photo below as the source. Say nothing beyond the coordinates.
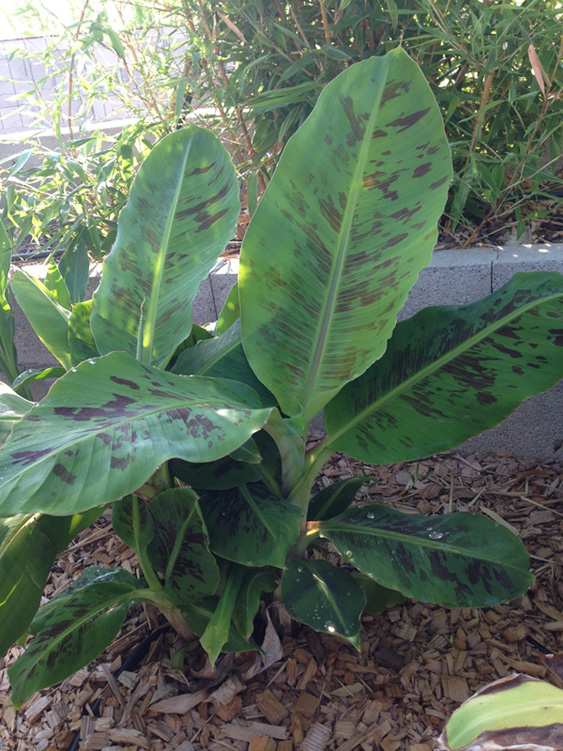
(261, 743)
(455, 688)
(317, 738)
(125, 736)
(179, 704)
(307, 704)
(248, 731)
(271, 707)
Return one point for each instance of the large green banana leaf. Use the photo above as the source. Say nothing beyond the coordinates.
(73, 628)
(346, 225)
(451, 372)
(28, 547)
(457, 560)
(181, 213)
(107, 425)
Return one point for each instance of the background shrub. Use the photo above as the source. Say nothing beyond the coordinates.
(258, 67)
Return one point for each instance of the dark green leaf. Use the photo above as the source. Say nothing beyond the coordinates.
(378, 598)
(250, 525)
(180, 548)
(132, 522)
(457, 560)
(248, 452)
(334, 499)
(450, 372)
(325, 597)
(73, 631)
(228, 472)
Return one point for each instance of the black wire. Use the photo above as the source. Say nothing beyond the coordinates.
(31, 255)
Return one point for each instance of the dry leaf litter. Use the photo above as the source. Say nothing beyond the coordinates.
(307, 691)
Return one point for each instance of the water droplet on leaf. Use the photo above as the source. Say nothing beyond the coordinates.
(436, 535)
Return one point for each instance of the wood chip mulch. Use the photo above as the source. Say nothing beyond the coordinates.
(418, 662)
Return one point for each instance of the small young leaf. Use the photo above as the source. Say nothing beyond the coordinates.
(230, 311)
(325, 597)
(80, 338)
(31, 375)
(334, 499)
(256, 581)
(75, 269)
(56, 285)
(48, 318)
(200, 613)
(217, 631)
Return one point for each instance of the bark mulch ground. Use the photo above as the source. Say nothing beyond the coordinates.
(311, 692)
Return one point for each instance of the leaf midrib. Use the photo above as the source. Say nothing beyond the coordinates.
(342, 245)
(148, 328)
(412, 541)
(434, 366)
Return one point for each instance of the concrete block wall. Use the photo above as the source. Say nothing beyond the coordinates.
(454, 277)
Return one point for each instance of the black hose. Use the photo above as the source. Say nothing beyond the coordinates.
(31, 255)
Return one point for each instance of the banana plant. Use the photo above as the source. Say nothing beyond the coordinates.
(197, 436)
